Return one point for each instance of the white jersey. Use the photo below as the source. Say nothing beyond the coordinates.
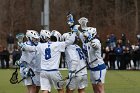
(50, 54)
(28, 56)
(37, 60)
(75, 59)
(94, 51)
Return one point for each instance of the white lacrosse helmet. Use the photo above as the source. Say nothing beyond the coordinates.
(90, 33)
(56, 34)
(30, 34)
(66, 36)
(44, 34)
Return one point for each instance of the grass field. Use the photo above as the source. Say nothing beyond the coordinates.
(116, 82)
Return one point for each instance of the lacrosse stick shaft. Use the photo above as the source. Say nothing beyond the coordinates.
(85, 66)
(79, 71)
(21, 80)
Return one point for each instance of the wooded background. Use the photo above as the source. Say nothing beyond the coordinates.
(108, 16)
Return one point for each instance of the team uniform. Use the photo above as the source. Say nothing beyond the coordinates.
(75, 61)
(50, 58)
(28, 61)
(97, 68)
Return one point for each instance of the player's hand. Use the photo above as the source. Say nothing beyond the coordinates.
(20, 44)
(75, 28)
(71, 74)
(23, 70)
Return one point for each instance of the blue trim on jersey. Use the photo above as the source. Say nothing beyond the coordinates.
(50, 70)
(98, 68)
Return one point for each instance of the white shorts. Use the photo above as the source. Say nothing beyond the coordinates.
(49, 78)
(97, 76)
(79, 82)
(30, 80)
(37, 78)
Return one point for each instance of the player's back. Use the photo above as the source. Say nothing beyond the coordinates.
(74, 52)
(50, 54)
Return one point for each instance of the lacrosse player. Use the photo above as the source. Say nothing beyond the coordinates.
(75, 61)
(28, 64)
(44, 37)
(97, 68)
(50, 53)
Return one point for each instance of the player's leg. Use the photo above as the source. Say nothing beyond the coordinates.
(55, 77)
(45, 82)
(81, 90)
(69, 91)
(71, 85)
(37, 89)
(82, 83)
(98, 88)
(98, 78)
(31, 88)
(60, 90)
(36, 79)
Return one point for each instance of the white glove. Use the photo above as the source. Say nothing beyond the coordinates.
(20, 44)
(24, 72)
(71, 74)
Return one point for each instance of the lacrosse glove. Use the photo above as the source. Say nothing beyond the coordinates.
(71, 74)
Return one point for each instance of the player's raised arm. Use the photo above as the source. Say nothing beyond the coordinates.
(71, 39)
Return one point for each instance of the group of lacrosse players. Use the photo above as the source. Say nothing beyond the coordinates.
(39, 63)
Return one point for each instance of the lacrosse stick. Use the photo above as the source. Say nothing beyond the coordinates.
(63, 81)
(83, 22)
(29, 74)
(14, 78)
(20, 37)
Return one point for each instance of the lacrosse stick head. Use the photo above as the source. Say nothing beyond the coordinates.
(83, 22)
(14, 78)
(20, 37)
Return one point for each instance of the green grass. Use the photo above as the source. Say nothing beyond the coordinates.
(116, 82)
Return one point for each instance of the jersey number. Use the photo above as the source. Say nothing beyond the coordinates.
(47, 53)
(81, 55)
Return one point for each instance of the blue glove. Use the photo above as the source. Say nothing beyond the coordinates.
(75, 28)
(70, 19)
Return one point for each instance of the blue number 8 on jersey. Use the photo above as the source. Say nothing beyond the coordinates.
(47, 53)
